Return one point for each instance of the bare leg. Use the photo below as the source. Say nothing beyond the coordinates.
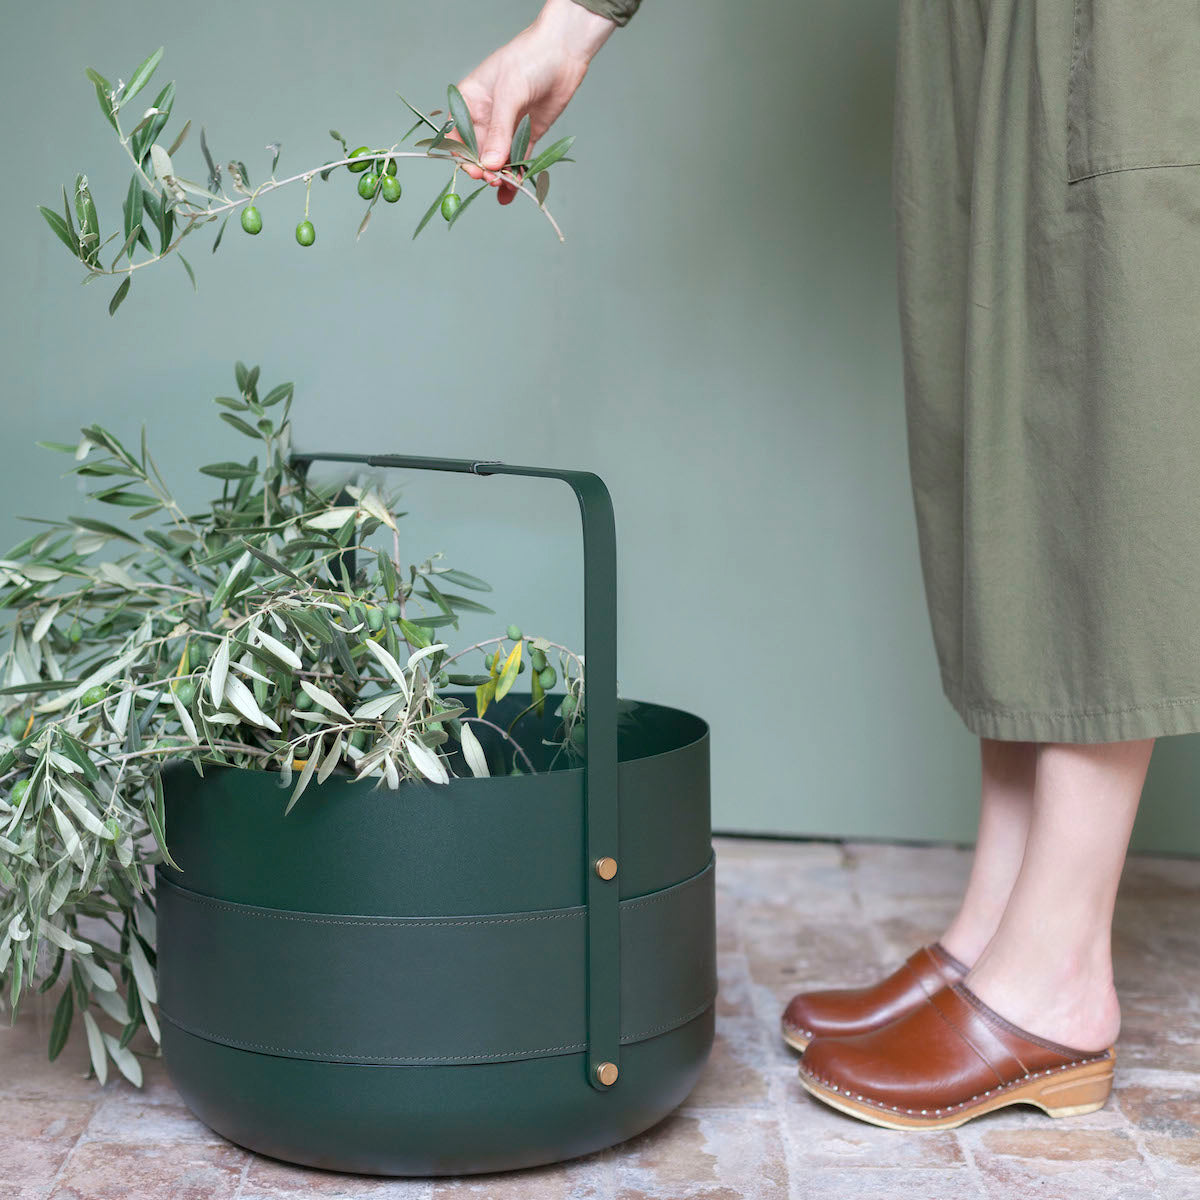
(1048, 968)
(1008, 771)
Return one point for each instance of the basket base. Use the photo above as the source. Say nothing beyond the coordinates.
(427, 1121)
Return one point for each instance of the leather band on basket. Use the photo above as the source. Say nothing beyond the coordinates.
(501, 987)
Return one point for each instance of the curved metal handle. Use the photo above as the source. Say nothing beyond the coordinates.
(600, 725)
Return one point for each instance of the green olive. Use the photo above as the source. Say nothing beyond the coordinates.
(451, 203)
(393, 611)
(384, 165)
(538, 659)
(18, 793)
(251, 219)
(391, 189)
(443, 679)
(577, 734)
(16, 725)
(75, 632)
(567, 708)
(547, 677)
(185, 693)
(488, 660)
(374, 619)
(368, 185)
(362, 152)
(303, 701)
(92, 696)
(514, 633)
(305, 233)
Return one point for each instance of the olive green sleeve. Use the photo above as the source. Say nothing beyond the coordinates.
(615, 10)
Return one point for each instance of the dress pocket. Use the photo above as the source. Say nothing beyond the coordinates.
(1133, 87)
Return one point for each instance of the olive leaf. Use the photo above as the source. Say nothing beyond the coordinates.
(483, 187)
(141, 76)
(550, 155)
(119, 295)
(103, 96)
(437, 203)
(520, 142)
(180, 138)
(62, 232)
(462, 119)
(473, 752)
(214, 172)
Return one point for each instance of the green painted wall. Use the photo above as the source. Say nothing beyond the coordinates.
(717, 339)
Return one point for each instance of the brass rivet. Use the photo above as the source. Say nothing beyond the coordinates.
(607, 1073)
(606, 868)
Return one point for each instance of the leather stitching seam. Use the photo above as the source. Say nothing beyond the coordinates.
(578, 912)
(987, 1062)
(292, 1052)
(994, 1018)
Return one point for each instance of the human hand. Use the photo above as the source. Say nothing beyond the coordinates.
(536, 73)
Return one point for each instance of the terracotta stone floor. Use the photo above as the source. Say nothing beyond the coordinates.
(791, 915)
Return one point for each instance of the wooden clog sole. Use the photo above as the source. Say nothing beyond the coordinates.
(793, 1037)
(1060, 1092)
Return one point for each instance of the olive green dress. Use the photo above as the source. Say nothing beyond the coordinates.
(1046, 191)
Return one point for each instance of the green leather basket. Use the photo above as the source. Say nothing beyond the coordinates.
(449, 979)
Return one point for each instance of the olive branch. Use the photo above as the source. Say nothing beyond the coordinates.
(162, 202)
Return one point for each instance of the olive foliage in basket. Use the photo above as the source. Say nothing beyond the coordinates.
(277, 629)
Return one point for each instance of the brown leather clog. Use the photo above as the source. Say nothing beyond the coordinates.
(951, 1059)
(841, 1012)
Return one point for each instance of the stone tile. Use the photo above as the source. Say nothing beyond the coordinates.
(1153, 940)
(129, 1116)
(589, 1178)
(906, 873)
(820, 1138)
(1061, 1161)
(729, 935)
(126, 1171)
(1158, 877)
(787, 952)
(812, 876)
(888, 1184)
(1169, 1108)
(267, 1179)
(38, 1135)
(1061, 1143)
(1158, 1031)
(734, 996)
(734, 1077)
(753, 852)
(902, 927)
(1074, 1179)
(28, 1072)
(1183, 1152)
(1177, 1183)
(704, 1157)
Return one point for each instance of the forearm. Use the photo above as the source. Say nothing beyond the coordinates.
(581, 28)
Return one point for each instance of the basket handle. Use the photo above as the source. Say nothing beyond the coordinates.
(600, 727)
